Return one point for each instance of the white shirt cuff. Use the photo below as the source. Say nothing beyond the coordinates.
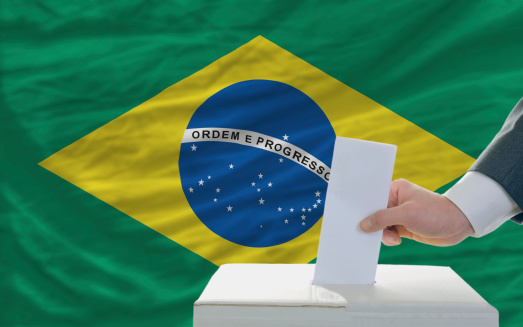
(483, 201)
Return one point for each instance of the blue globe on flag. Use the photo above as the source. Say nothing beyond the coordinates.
(254, 162)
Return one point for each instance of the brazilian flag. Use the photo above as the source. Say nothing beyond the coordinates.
(143, 143)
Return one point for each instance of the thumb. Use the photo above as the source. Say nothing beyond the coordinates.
(382, 219)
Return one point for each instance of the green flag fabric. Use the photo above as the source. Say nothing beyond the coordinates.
(67, 258)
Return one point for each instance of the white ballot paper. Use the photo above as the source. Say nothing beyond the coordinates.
(359, 184)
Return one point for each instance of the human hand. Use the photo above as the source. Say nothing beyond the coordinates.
(419, 214)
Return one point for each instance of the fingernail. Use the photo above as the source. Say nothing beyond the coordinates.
(391, 239)
(365, 225)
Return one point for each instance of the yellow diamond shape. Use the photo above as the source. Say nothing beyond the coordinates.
(131, 162)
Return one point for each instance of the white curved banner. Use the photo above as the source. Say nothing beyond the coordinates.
(260, 141)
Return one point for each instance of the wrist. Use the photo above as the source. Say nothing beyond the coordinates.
(462, 228)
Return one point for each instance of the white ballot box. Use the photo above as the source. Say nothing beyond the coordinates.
(283, 295)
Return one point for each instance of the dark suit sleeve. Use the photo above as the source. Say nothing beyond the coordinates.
(502, 160)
